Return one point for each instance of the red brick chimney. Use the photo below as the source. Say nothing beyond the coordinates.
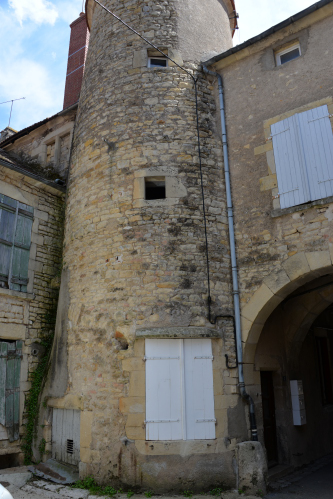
(78, 47)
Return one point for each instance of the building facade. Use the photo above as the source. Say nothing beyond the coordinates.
(143, 387)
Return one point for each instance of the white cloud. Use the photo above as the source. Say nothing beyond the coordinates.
(38, 11)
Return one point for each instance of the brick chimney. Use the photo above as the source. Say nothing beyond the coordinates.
(78, 47)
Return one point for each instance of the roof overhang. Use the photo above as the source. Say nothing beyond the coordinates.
(230, 4)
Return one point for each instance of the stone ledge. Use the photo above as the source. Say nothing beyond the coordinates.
(17, 294)
(300, 207)
(177, 332)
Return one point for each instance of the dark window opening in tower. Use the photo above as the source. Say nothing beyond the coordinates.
(154, 188)
(157, 62)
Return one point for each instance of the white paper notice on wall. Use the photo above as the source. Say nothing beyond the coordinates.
(297, 401)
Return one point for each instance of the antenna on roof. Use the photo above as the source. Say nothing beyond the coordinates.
(11, 107)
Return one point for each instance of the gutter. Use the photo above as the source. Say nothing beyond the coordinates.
(234, 269)
(18, 169)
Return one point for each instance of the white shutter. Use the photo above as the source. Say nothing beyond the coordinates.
(290, 163)
(317, 141)
(163, 389)
(199, 392)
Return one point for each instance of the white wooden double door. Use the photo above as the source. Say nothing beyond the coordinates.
(179, 389)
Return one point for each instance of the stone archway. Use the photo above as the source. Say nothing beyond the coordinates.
(276, 287)
(277, 320)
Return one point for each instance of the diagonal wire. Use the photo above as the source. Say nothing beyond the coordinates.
(198, 130)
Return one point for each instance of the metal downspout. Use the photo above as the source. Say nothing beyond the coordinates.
(235, 288)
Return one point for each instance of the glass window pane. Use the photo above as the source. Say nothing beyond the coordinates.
(289, 56)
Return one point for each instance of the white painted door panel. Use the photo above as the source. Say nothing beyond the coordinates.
(163, 390)
(199, 393)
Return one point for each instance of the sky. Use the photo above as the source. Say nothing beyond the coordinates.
(34, 39)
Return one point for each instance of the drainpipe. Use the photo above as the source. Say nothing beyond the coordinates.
(235, 288)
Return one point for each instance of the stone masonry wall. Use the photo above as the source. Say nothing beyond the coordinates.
(24, 316)
(135, 263)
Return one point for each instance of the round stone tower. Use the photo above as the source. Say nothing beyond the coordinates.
(135, 248)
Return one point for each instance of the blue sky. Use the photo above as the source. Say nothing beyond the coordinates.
(34, 40)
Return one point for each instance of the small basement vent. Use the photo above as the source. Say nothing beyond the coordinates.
(70, 446)
(154, 188)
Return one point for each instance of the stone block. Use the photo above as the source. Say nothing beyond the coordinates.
(86, 422)
(257, 302)
(9, 331)
(128, 405)
(135, 433)
(251, 467)
(264, 148)
(135, 420)
(137, 387)
(318, 259)
(133, 364)
(296, 266)
(139, 348)
(269, 182)
(276, 280)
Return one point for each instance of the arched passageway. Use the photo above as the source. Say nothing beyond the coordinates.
(289, 370)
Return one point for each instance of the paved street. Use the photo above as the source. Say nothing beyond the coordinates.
(315, 485)
(312, 482)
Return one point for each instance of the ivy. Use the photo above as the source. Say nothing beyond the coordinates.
(37, 380)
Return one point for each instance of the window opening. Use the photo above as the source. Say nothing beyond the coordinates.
(157, 62)
(288, 54)
(154, 188)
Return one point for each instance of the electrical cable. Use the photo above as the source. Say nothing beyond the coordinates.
(198, 135)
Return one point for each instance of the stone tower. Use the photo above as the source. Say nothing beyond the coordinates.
(135, 254)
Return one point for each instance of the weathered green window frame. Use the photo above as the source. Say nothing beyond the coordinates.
(16, 221)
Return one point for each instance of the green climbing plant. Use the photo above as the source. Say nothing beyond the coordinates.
(37, 378)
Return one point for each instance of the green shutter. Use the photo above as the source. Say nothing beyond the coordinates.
(21, 253)
(3, 368)
(12, 396)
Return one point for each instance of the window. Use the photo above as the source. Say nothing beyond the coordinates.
(303, 153)
(10, 366)
(157, 62)
(15, 236)
(154, 188)
(286, 55)
(179, 389)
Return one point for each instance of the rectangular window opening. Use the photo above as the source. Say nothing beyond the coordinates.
(154, 188)
(288, 54)
(157, 62)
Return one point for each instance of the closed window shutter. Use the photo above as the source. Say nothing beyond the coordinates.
(317, 141)
(290, 163)
(3, 371)
(10, 367)
(21, 253)
(163, 390)
(199, 392)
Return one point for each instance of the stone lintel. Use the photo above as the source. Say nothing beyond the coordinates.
(177, 332)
